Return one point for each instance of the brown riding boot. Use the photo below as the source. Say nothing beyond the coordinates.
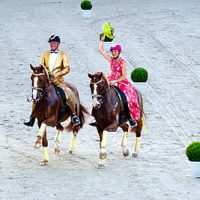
(32, 119)
(75, 120)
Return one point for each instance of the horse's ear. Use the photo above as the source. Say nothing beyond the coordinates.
(99, 74)
(41, 66)
(90, 75)
(31, 66)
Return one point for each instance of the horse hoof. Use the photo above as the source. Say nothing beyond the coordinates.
(44, 163)
(126, 153)
(103, 156)
(100, 166)
(135, 154)
(37, 145)
(71, 152)
(56, 151)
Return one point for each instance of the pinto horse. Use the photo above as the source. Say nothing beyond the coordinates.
(49, 111)
(110, 114)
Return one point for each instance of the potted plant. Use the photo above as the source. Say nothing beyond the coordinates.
(193, 154)
(139, 76)
(108, 31)
(86, 7)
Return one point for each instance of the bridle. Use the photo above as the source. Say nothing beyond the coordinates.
(41, 91)
(101, 97)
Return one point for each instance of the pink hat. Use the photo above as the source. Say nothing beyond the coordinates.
(116, 47)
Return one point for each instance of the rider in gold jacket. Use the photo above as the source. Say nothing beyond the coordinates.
(57, 65)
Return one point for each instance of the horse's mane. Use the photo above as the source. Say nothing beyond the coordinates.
(104, 79)
(46, 72)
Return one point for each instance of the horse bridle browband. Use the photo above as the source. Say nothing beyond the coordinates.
(102, 98)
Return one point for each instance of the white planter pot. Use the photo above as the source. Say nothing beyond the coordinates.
(195, 168)
(140, 86)
(107, 46)
(86, 14)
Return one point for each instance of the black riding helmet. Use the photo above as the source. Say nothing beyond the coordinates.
(54, 38)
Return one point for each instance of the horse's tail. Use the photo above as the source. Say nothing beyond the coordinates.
(142, 113)
(82, 115)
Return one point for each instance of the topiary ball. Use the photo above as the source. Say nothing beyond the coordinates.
(139, 74)
(86, 5)
(193, 151)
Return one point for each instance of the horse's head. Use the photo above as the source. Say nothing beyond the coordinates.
(99, 88)
(40, 81)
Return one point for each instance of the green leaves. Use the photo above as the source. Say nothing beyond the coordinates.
(86, 5)
(193, 151)
(139, 74)
(108, 31)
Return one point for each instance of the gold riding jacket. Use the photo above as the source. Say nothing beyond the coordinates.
(61, 63)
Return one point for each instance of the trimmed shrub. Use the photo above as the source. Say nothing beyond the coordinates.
(139, 74)
(86, 5)
(193, 151)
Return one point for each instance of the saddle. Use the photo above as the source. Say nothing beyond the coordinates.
(62, 95)
(123, 104)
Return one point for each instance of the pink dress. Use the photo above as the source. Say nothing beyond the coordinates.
(125, 86)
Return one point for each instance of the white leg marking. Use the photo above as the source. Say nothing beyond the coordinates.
(42, 130)
(57, 141)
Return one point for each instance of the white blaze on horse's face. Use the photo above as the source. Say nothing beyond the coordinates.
(95, 102)
(35, 82)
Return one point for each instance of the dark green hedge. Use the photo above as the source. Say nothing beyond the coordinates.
(139, 74)
(86, 5)
(193, 151)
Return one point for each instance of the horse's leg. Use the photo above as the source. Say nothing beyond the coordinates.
(39, 138)
(73, 143)
(102, 154)
(57, 142)
(43, 135)
(45, 150)
(124, 142)
(137, 141)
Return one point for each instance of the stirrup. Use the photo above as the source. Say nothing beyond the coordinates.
(75, 120)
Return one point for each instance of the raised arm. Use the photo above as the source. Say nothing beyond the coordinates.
(102, 51)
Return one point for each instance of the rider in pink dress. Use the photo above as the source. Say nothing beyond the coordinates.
(118, 77)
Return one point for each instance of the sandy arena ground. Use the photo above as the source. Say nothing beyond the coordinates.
(164, 37)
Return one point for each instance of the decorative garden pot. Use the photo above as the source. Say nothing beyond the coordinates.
(195, 168)
(86, 14)
(140, 86)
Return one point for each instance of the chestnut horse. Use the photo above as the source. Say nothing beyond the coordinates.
(110, 113)
(50, 111)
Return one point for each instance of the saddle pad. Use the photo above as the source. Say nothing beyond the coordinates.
(122, 97)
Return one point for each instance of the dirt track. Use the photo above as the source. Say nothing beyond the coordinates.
(163, 36)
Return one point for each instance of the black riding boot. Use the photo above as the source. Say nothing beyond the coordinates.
(132, 122)
(30, 122)
(74, 119)
(93, 123)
